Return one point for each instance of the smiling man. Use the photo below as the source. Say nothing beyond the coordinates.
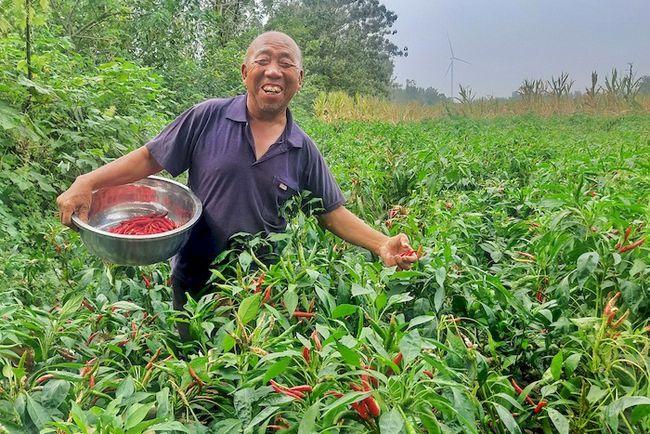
(246, 157)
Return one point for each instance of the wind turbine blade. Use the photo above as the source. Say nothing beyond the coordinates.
(461, 60)
(450, 47)
(447, 72)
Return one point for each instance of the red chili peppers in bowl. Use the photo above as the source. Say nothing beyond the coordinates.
(149, 224)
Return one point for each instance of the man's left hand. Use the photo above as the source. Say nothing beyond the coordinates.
(397, 251)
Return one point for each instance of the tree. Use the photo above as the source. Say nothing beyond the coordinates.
(412, 92)
(345, 43)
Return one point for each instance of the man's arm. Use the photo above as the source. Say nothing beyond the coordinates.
(352, 229)
(131, 167)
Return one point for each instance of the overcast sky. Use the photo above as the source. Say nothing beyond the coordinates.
(509, 40)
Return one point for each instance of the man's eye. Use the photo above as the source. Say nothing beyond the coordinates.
(262, 62)
(286, 65)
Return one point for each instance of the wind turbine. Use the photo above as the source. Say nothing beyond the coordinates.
(451, 66)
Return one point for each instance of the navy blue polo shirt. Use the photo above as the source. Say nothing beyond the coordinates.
(239, 193)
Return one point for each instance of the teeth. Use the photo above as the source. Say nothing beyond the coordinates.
(272, 89)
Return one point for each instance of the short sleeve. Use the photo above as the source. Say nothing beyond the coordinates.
(173, 147)
(319, 181)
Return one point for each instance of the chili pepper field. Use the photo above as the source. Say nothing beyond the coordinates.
(527, 311)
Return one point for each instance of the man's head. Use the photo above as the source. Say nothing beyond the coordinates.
(272, 72)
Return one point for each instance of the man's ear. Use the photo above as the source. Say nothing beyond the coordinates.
(244, 71)
(301, 77)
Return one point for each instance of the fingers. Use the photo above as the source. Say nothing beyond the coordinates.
(405, 262)
(83, 213)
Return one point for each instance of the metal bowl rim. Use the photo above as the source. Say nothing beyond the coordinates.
(199, 209)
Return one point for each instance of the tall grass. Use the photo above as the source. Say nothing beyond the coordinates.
(336, 106)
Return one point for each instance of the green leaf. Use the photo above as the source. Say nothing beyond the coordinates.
(290, 299)
(439, 298)
(226, 426)
(350, 356)
(441, 274)
(276, 368)
(507, 419)
(308, 422)
(126, 388)
(571, 363)
(261, 417)
(54, 393)
(613, 410)
(420, 320)
(556, 366)
(595, 394)
(170, 426)
(391, 422)
(559, 420)
(37, 413)
(136, 414)
(343, 310)
(248, 308)
(399, 298)
(587, 263)
(358, 290)
(410, 345)
(243, 402)
(245, 260)
(162, 401)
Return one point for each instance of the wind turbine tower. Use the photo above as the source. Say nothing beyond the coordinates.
(450, 68)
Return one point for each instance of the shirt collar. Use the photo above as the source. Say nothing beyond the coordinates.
(237, 112)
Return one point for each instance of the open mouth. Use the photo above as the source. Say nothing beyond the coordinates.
(271, 89)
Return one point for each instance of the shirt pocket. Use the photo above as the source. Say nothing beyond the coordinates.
(284, 189)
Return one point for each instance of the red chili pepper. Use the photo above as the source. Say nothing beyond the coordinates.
(361, 409)
(373, 408)
(539, 406)
(334, 393)
(301, 314)
(407, 253)
(540, 296)
(91, 382)
(306, 355)
(632, 246)
(153, 359)
(428, 373)
(285, 391)
(316, 339)
(91, 337)
(144, 225)
(195, 377)
(44, 378)
(147, 282)
(365, 383)
(373, 381)
(267, 294)
(628, 230)
(302, 388)
(85, 303)
(519, 390)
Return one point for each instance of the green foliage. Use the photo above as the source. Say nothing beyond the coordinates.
(356, 57)
(412, 92)
(519, 220)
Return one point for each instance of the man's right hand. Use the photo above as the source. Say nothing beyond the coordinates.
(135, 165)
(76, 199)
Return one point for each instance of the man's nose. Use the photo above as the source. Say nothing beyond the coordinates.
(273, 70)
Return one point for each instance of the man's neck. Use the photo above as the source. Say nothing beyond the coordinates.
(258, 116)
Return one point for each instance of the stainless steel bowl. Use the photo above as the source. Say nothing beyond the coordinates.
(111, 205)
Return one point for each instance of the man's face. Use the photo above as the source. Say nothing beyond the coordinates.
(272, 73)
